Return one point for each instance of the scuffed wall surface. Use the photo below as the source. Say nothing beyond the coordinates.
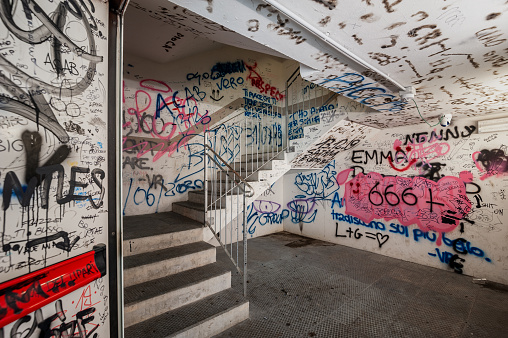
(167, 107)
(53, 150)
(433, 196)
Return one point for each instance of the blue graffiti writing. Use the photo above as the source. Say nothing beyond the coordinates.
(221, 69)
(351, 85)
(356, 221)
(320, 185)
(256, 217)
(258, 97)
(338, 200)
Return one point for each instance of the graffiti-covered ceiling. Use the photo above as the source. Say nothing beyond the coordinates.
(162, 32)
(453, 53)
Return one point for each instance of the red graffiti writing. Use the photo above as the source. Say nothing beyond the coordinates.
(23, 295)
(413, 153)
(264, 88)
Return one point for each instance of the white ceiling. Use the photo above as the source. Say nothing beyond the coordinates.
(455, 53)
(154, 31)
(159, 41)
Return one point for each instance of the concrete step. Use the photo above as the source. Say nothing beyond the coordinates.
(146, 233)
(198, 196)
(190, 210)
(161, 263)
(153, 298)
(250, 166)
(250, 175)
(204, 318)
(222, 187)
(278, 154)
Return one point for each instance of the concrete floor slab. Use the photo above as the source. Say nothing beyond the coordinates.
(301, 287)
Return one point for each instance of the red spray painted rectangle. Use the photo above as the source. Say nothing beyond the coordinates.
(25, 294)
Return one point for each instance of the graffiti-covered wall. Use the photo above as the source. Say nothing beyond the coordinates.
(434, 196)
(53, 172)
(167, 108)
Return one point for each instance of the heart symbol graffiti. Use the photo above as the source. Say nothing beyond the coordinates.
(381, 239)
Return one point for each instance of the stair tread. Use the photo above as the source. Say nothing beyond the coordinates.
(186, 316)
(140, 226)
(164, 254)
(191, 205)
(202, 192)
(144, 291)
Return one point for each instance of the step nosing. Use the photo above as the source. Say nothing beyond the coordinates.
(168, 284)
(193, 283)
(190, 315)
(165, 233)
(160, 224)
(167, 254)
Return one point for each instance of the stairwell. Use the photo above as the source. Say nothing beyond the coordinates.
(173, 285)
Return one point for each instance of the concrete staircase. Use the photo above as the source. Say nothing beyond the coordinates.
(173, 285)
(258, 174)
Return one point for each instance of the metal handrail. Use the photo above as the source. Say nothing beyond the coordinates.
(241, 112)
(234, 150)
(224, 163)
(238, 182)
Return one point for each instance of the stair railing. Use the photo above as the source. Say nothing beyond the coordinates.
(234, 151)
(304, 101)
(225, 203)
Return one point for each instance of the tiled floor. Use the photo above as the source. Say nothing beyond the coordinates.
(300, 287)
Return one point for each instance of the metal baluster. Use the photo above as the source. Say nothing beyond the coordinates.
(215, 189)
(257, 142)
(237, 213)
(252, 145)
(205, 182)
(244, 246)
(286, 118)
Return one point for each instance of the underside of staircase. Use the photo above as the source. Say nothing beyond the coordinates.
(173, 285)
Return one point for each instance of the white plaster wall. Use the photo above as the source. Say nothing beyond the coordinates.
(162, 165)
(320, 199)
(53, 118)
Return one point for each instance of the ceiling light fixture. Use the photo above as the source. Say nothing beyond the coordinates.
(491, 126)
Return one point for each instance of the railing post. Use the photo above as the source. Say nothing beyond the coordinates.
(286, 128)
(205, 169)
(244, 244)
